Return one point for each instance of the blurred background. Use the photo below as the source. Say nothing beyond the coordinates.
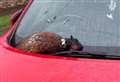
(7, 8)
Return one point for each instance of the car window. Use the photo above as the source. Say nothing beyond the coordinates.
(93, 22)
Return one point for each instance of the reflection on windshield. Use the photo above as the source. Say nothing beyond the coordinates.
(112, 6)
(93, 22)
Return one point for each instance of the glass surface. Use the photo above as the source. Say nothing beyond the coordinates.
(93, 22)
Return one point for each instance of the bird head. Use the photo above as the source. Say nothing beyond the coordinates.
(72, 43)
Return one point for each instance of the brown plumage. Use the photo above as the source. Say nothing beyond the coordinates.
(47, 42)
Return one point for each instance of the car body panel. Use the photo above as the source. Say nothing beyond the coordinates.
(23, 67)
(20, 66)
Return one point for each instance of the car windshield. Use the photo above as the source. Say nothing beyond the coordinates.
(95, 23)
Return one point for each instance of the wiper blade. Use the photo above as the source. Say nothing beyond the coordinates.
(84, 54)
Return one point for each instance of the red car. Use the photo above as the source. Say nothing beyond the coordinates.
(95, 23)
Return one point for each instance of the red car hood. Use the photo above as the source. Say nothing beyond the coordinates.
(16, 66)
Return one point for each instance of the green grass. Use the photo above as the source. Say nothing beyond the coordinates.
(4, 23)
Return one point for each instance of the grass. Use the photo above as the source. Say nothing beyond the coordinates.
(4, 23)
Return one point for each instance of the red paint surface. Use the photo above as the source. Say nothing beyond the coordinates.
(18, 66)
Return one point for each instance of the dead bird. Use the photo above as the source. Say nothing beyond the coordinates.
(47, 43)
(73, 44)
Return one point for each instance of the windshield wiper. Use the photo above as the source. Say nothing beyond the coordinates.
(84, 54)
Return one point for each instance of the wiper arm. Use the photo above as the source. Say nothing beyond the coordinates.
(84, 54)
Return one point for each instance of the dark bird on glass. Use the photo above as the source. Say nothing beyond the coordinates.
(47, 43)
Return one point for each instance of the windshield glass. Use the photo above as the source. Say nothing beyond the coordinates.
(93, 22)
